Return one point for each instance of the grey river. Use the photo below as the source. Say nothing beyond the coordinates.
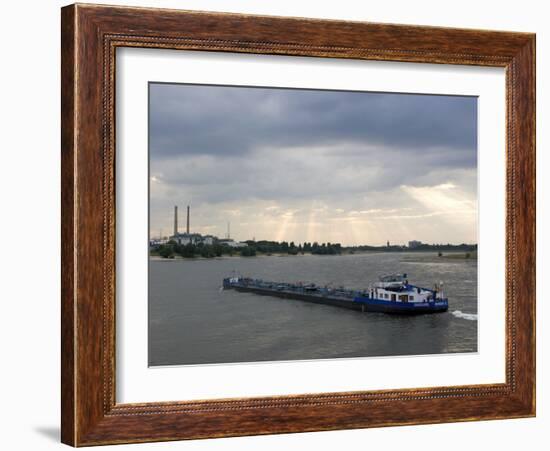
(192, 322)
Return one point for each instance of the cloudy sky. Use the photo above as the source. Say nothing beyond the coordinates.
(310, 165)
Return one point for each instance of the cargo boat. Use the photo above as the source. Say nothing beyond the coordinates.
(391, 294)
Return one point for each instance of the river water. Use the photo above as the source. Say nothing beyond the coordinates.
(192, 322)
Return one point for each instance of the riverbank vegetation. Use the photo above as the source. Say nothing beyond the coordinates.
(442, 257)
(264, 247)
(252, 248)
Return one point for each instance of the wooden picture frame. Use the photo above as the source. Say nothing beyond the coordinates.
(90, 36)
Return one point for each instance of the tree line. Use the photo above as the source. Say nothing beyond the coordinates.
(173, 249)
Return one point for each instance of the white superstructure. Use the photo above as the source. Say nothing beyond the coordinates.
(396, 287)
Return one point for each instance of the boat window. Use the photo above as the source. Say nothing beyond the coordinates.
(392, 278)
(411, 298)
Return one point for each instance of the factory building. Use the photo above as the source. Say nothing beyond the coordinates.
(188, 237)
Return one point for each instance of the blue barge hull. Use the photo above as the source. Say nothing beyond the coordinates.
(353, 300)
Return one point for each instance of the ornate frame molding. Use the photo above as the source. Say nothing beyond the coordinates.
(90, 36)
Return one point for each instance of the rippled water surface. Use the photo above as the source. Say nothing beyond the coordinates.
(192, 322)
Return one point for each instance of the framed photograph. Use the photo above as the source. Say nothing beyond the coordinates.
(278, 225)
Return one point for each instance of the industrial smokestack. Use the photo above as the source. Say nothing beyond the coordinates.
(175, 219)
(188, 219)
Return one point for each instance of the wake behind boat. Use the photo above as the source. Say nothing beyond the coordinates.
(391, 294)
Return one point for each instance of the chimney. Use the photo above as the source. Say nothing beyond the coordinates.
(175, 219)
(188, 219)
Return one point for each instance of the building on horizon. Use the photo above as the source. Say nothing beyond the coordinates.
(193, 238)
(188, 237)
(414, 243)
(231, 243)
(157, 241)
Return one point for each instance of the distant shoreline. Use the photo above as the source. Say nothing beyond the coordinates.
(444, 257)
(236, 255)
(423, 257)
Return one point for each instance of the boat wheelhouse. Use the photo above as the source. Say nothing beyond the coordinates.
(394, 293)
(396, 287)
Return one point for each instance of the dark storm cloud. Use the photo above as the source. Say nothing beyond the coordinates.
(234, 121)
(314, 165)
